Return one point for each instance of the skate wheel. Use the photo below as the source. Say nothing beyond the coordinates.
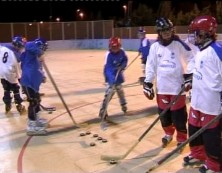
(82, 134)
(92, 144)
(99, 138)
(104, 140)
(113, 161)
(95, 135)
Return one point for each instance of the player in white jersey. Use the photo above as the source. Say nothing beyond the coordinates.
(165, 64)
(206, 97)
(10, 73)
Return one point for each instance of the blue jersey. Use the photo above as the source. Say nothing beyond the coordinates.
(144, 48)
(114, 61)
(31, 73)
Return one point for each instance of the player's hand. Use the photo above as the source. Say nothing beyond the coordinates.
(148, 90)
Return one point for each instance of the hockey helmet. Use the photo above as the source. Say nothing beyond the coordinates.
(202, 29)
(163, 24)
(141, 33)
(114, 44)
(19, 42)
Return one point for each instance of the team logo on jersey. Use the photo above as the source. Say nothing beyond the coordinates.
(168, 64)
(197, 75)
(165, 101)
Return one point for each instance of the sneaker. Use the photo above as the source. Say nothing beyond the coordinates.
(33, 129)
(204, 169)
(190, 161)
(166, 140)
(21, 109)
(8, 107)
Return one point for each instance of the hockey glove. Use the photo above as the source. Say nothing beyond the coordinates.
(187, 81)
(148, 90)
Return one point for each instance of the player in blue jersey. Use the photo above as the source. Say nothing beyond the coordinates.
(143, 50)
(115, 61)
(31, 79)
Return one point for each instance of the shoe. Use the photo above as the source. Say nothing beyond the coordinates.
(8, 107)
(190, 161)
(33, 128)
(124, 108)
(166, 140)
(204, 169)
(21, 109)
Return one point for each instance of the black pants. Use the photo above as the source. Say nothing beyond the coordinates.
(8, 88)
(34, 100)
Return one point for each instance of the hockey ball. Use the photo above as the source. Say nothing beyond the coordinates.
(92, 144)
(50, 112)
(99, 138)
(104, 140)
(95, 135)
(113, 161)
(82, 134)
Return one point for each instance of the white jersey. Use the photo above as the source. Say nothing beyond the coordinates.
(9, 66)
(207, 80)
(168, 64)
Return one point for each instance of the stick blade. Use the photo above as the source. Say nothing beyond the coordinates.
(104, 125)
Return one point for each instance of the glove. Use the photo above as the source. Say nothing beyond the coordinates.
(148, 90)
(187, 81)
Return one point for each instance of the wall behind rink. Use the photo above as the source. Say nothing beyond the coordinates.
(127, 44)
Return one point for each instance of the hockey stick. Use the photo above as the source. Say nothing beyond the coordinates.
(120, 157)
(58, 92)
(191, 138)
(107, 98)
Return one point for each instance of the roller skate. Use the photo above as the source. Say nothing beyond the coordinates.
(34, 129)
(166, 140)
(8, 107)
(190, 161)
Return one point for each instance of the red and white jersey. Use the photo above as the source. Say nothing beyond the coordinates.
(168, 64)
(207, 80)
(9, 66)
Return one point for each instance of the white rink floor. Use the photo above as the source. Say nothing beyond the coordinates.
(79, 77)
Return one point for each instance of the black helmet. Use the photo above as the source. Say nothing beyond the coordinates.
(163, 24)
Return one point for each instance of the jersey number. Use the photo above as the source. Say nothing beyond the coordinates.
(5, 57)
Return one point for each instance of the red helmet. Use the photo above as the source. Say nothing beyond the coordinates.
(204, 23)
(114, 42)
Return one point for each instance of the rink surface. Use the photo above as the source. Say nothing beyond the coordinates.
(78, 75)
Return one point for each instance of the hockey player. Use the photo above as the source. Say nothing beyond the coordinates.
(165, 63)
(206, 97)
(31, 80)
(115, 60)
(143, 51)
(10, 73)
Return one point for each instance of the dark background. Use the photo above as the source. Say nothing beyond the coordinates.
(49, 10)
